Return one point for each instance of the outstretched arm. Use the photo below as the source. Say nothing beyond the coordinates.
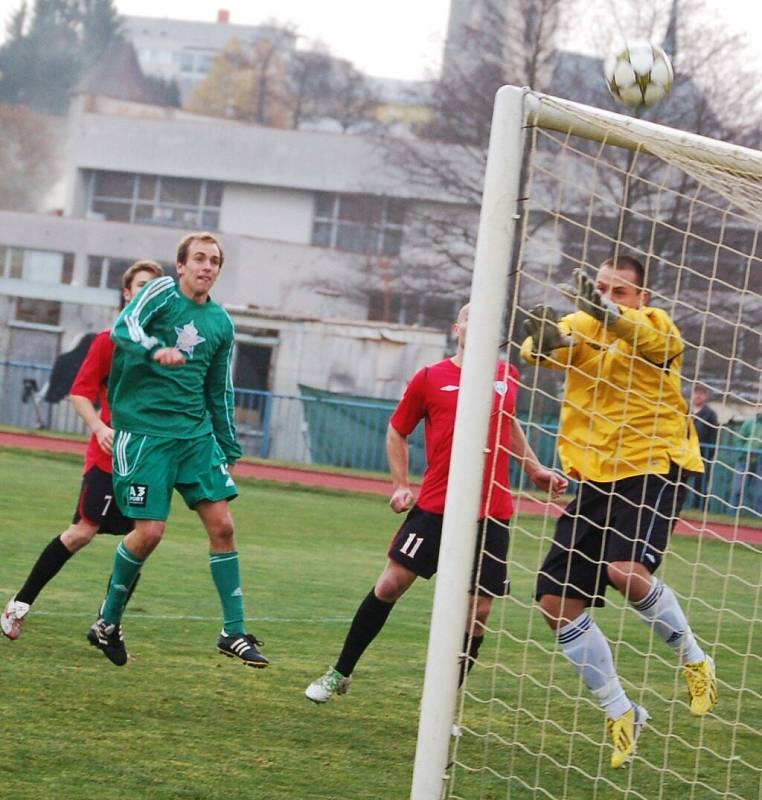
(543, 478)
(548, 342)
(652, 335)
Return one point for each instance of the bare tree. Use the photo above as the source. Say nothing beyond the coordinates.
(501, 41)
(326, 89)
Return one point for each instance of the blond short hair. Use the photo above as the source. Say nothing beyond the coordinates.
(203, 236)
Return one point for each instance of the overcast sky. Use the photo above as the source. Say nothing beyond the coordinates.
(401, 38)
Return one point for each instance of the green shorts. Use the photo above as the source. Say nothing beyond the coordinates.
(147, 468)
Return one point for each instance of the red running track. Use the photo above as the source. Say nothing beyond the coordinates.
(354, 483)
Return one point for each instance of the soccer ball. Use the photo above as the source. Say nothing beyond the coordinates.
(639, 75)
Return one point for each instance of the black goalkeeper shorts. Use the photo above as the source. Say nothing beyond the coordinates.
(625, 520)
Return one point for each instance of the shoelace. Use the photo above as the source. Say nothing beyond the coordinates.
(699, 683)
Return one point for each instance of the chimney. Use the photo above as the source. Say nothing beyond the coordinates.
(223, 16)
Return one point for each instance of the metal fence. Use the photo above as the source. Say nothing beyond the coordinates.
(340, 432)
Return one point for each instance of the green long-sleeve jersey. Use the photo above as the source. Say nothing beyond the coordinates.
(178, 402)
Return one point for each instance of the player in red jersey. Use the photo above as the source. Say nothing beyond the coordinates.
(432, 395)
(96, 510)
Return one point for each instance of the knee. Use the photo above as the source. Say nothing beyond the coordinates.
(629, 579)
(550, 605)
(483, 608)
(221, 531)
(388, 590)
(393, 582)
(145, 538)
(75, 537)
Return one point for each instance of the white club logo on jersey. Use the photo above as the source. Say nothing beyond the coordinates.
(501, 387)
(188, 338)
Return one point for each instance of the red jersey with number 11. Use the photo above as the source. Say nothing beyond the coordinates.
(432, 395)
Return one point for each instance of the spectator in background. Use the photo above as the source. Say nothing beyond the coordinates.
(747, 481)
(707, 428)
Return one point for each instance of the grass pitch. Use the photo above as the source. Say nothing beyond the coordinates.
(181, 721)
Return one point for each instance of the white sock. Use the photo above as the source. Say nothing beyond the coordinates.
(586, 647)
(661, 610)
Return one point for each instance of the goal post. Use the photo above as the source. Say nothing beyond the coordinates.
(689, 206)
(493, 253)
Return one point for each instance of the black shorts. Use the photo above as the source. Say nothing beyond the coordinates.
(627, 520)
(97, 504)
(416, 546)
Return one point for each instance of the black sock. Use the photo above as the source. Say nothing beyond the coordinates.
(368, 621)
(467, 661)
(47, 566)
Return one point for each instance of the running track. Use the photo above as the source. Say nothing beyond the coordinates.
(355, 483)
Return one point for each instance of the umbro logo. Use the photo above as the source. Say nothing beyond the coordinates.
(449, 388)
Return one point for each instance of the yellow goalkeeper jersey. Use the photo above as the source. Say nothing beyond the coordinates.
(623, 413)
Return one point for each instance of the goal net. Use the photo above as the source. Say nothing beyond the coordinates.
(596, 185)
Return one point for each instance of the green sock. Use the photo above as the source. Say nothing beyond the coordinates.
(227, 578)
(126, 568)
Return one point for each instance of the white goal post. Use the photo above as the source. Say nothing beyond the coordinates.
(725, 169)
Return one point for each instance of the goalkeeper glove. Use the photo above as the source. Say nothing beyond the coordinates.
(588, 299)
(542, 326)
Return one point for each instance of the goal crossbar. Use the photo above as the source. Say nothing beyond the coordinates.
(599, 125)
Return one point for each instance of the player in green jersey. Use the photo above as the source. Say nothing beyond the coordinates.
(171, 397)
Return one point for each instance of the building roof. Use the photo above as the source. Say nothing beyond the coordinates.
(196, 33)
(236, 152)
(117, 74)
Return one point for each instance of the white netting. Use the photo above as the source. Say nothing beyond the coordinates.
(530, 729)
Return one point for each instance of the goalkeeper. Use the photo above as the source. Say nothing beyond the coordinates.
(626, 436)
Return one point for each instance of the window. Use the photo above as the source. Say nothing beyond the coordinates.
(358, 223)
(196, 62)
(45, 312)
(155, 200)
(39, 266)
(106, 273)
(413, 308)
(11, 262)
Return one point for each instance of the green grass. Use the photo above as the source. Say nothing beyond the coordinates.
(180, 721)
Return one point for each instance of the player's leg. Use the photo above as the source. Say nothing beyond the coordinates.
(143, 479)
(93, 504)
(489, 579)
(571, 579)
(234, 640)
(414, 551)
(207, 487)
(49, 563)
(131, 553)
(646, 510)
(369, 619)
